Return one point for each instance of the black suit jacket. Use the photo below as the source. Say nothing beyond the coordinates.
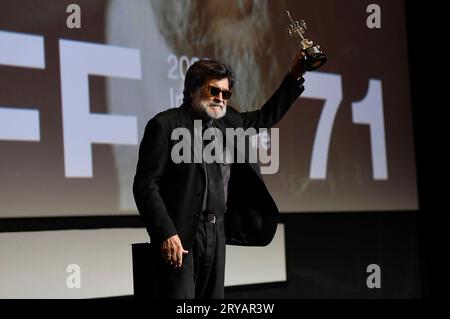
(169, 196)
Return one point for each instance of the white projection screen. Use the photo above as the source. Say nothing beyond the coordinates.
(74, 101)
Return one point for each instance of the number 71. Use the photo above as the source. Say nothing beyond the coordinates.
(368, 111)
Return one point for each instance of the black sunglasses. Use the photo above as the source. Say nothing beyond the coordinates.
(215, 91)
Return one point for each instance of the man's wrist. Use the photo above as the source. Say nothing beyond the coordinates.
(300, 79)
(297, 74)
(300, 76)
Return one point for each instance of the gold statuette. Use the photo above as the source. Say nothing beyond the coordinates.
(315, 58)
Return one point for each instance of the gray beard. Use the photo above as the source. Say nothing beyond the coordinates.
(205, 112)
(240, 43)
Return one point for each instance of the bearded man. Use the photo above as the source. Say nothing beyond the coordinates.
(192, 210)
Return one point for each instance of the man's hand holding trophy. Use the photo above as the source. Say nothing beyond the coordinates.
(312, 55)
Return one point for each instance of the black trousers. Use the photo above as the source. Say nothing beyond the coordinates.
(202, 275)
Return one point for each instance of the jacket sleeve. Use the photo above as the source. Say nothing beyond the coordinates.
(277, 106)
(154, 155)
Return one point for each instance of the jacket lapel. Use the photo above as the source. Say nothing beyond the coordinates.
(189, 116)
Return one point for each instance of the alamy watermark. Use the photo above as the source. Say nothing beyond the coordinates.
(238, 145)
(374, 279)
(73, 280)
(373, 21)
(73, 20)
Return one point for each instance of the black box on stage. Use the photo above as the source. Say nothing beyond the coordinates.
(143, 268)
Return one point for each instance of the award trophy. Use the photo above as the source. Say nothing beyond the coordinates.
(315, 58)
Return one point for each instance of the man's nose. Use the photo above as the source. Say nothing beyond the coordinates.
(219, 97)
